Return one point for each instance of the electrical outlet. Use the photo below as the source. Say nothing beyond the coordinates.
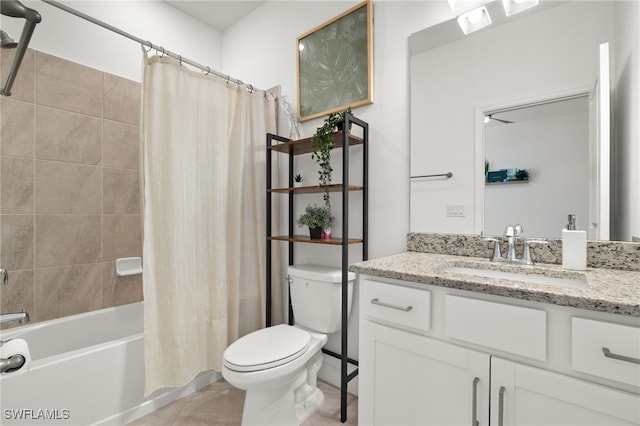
(455, 210)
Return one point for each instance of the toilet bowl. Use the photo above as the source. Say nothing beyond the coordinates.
(278, 367)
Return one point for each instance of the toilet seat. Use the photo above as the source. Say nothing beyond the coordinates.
(266, 348)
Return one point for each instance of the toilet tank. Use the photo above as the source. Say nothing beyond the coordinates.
(316, 296)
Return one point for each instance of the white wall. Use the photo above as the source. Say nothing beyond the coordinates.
(626, 105)
(555, 151)
(262, 49)
(75, 39)
(502, 66)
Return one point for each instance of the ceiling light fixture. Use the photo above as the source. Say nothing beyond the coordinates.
(461, 6)
(474, 20)
(511, 7)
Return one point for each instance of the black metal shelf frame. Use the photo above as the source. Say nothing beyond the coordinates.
(349, 119)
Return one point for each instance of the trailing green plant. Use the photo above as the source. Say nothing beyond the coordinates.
(298, 178)
(315, 217)
(322, 143)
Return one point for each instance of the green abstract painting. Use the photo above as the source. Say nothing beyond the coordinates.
(334, 64)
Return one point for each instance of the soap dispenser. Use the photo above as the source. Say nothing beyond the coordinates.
(574, 246)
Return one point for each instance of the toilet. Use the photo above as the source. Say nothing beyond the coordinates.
(278, 366)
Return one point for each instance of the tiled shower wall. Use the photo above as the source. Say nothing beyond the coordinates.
(69, 188)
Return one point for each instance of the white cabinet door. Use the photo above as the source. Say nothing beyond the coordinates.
(409, 379)
(522, 395)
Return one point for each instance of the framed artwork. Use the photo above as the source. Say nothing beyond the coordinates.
(335, 64)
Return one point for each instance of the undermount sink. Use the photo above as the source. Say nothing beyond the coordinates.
(571, 280)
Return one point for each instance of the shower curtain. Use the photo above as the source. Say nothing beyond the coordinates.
(204, 214)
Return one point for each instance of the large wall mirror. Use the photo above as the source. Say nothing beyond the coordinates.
(523, 94)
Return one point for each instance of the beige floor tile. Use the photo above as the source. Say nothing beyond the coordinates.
(221, 404)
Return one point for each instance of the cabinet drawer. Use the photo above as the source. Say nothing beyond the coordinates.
(589, 341)
(513, 329)
(405, 306)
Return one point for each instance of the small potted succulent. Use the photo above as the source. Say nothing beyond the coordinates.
(298, 179)
(318, 219)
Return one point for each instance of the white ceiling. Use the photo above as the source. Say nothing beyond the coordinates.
(218, 14)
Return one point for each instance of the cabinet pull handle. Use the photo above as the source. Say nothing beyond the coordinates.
(609, 354)
(474, 407)
(501, 406)
(388, 305)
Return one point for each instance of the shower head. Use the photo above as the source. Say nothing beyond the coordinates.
(15, 9)
(6, 41)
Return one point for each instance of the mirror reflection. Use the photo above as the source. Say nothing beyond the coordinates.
(549, 52)
(538, 155)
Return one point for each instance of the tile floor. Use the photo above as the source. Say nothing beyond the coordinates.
(221, 404)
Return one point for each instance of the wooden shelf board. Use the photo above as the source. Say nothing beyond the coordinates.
(307, 239)
(314, 189)
(303, 146)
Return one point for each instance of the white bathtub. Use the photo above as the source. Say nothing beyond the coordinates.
(87, 369)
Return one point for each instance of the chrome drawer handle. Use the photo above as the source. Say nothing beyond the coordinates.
(474, 407)
(501, 406)
(609, 354)
(388, 305)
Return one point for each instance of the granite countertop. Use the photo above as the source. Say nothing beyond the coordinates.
(611, 291)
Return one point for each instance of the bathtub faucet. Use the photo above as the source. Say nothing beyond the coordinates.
(22, 317)
(13, 363)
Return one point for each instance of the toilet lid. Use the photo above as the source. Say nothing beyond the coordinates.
(266, 348)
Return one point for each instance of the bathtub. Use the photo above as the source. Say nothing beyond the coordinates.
(86, 369)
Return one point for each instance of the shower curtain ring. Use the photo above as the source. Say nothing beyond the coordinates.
(148, 43)
(159, 51)
(180, 59)
(208, 71)
(227, 82)
(250, 88)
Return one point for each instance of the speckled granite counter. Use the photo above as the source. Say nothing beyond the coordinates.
(609, 290)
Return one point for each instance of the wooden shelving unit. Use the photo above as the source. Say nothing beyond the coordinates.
(292, 148)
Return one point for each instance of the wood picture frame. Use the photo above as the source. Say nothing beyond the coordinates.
(335, 64)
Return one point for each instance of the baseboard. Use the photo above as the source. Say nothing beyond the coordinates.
(161, 398)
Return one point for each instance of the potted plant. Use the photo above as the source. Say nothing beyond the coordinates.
(322, 143)
(298, 179)
(522, 174)
(318, 219)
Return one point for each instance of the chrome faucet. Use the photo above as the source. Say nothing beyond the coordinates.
(512, 234)
(22, 317)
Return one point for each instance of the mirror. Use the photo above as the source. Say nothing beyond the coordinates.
(456, 80)
(549, 142)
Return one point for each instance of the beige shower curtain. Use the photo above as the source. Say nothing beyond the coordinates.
(204, 215)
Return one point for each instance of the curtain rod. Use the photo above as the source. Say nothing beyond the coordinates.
(150, 45)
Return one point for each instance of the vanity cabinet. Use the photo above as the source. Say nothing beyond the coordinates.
(523, 395)
(408, 379)
(438, 356)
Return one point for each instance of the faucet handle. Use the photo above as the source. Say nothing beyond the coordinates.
(517, 230)
(527, 259)
(4, 276)
(497, 256)
(508, 231)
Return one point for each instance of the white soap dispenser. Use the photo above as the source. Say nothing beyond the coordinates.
(574, 246)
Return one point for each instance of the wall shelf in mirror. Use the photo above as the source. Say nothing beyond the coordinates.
(508, 182)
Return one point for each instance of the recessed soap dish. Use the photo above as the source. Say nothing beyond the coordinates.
(128, 266)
